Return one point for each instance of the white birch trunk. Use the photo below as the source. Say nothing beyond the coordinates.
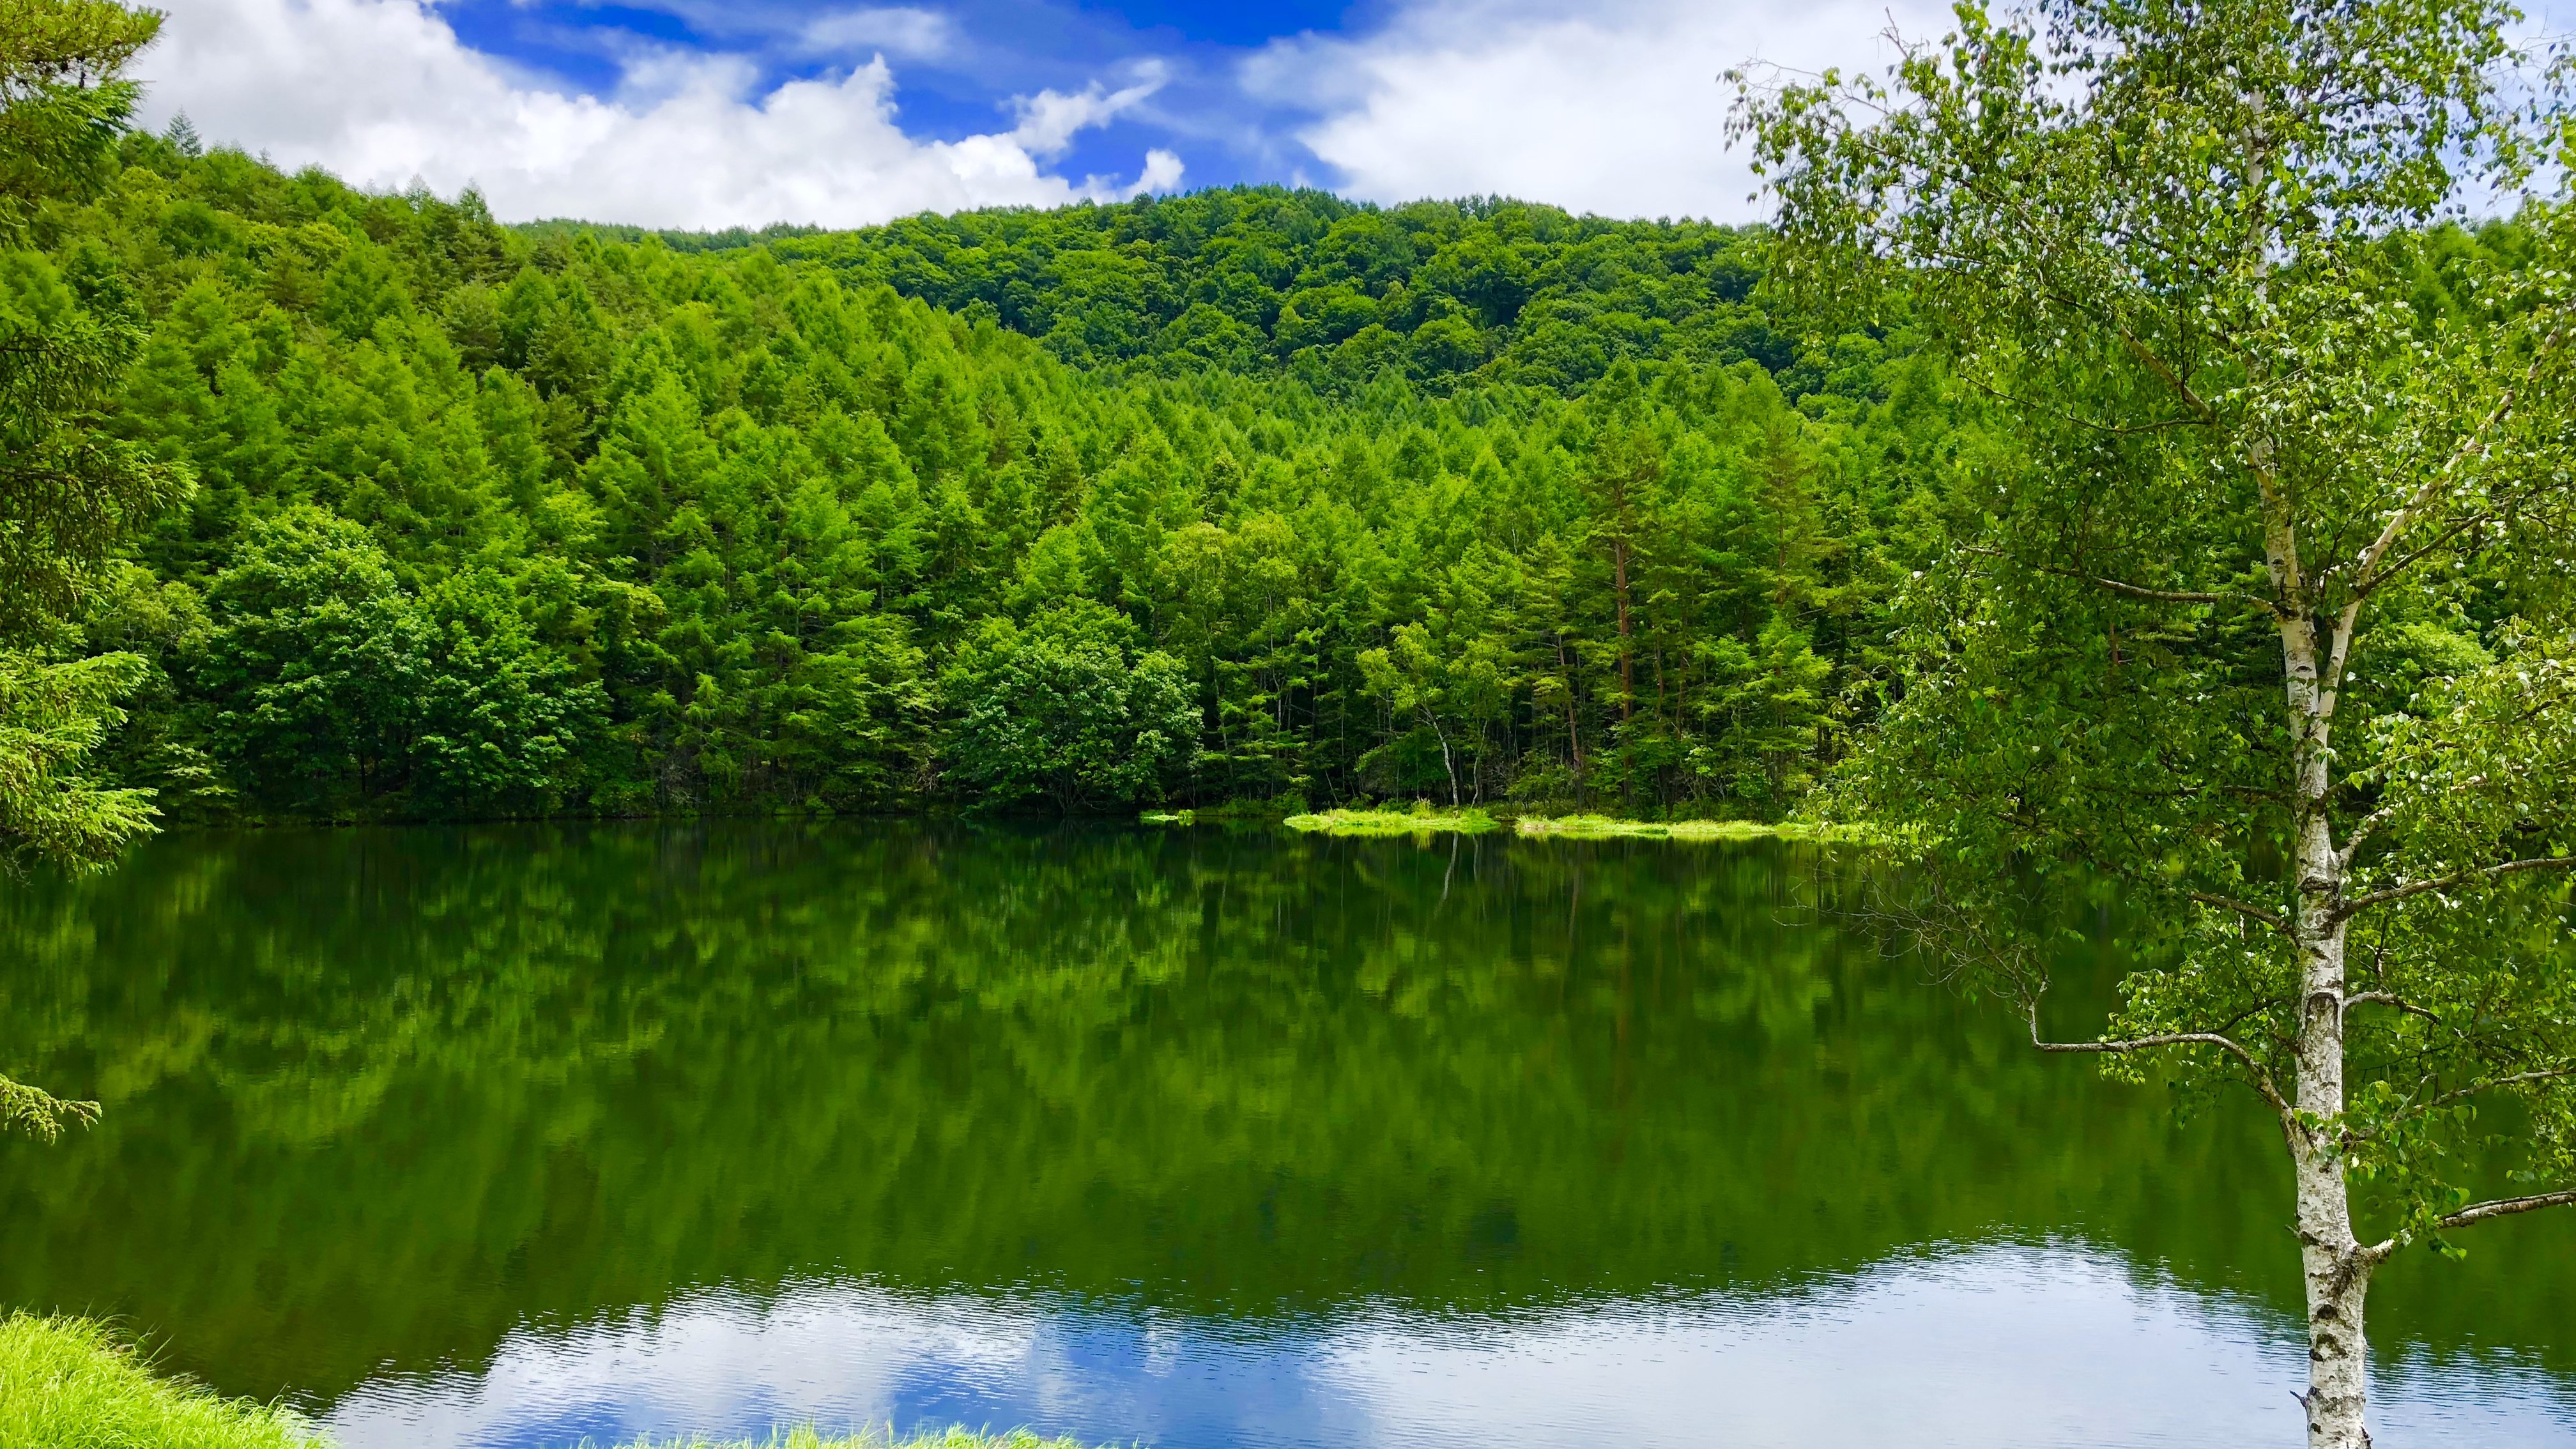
(2335, 1267)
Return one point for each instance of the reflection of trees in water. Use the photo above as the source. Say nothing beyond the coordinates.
(375, 1096)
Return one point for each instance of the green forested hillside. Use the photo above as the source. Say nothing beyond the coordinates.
(1242, 495)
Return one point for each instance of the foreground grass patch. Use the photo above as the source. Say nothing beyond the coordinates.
(68, 1383)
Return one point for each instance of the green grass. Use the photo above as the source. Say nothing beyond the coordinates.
(1603, 827)
(1422, 820)
(69, 1383)
(1418, 821)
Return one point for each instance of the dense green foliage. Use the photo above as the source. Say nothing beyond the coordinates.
(505, 522)
(69, 493)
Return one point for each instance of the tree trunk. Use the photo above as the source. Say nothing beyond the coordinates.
(1627, 656)
(2335, 1266)
(1573, 736)
(1445, 762)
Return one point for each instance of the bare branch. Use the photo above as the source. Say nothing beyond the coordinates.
(2250, 912)
(2518, 1079)
(2261, 1077)
(2108, 430)
(2507, 1207)
(2168, 596)
(2182, 389)
(2361, 831)
(2358, 904)
(2389, 998)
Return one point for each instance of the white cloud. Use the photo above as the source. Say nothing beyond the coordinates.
(895, 29)
(1613, 107)
(382, 91)
(1050, 119)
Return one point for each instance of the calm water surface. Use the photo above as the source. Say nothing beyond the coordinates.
(518, 1136)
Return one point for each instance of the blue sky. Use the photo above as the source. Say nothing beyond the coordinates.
(958, 65)
(712, 113)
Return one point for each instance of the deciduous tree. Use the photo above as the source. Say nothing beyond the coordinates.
(2173, 242)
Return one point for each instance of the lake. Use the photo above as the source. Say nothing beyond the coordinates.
(513, 1136)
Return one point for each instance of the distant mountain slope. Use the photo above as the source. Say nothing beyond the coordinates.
(1262, 278)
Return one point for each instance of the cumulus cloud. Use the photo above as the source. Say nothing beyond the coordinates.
(382, 92)
(1612, 107)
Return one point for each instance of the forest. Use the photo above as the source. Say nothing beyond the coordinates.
(1248, 495)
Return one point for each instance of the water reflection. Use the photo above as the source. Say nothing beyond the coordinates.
(1996, 1346)
(508, 1136)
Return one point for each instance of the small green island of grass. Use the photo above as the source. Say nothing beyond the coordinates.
(1421, 820)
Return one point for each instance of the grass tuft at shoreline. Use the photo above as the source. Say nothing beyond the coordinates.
(68, 1383)
(72, 1383)
(1394, 822)
(1419, 821)
(1603, 827)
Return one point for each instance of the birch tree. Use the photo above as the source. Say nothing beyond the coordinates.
(2267, 625)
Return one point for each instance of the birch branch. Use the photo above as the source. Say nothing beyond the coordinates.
(2391, 998)
(2507, 1207)
(2359, 904)
(2472, 446)
(2261, 1076)
(2250, 912)
(2135, 591)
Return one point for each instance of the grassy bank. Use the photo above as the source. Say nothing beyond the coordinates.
(1560, 827)
(67, 1383)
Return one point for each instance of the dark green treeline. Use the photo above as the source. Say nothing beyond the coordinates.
(1250, 494)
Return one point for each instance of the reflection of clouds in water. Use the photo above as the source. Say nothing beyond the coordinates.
(1994, 1346)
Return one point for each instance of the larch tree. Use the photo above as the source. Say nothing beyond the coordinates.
(69, 493)
(2265, 622)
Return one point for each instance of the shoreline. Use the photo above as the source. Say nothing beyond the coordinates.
(73, 1383)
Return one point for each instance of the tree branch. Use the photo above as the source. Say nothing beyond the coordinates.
(2167, 596)
(2391, 998)
(2359, 904)
(2110, 430)
(2506, 1207)
(2250, 912)
(2518, 1079)
(2261, 1077)
(2368, 576)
